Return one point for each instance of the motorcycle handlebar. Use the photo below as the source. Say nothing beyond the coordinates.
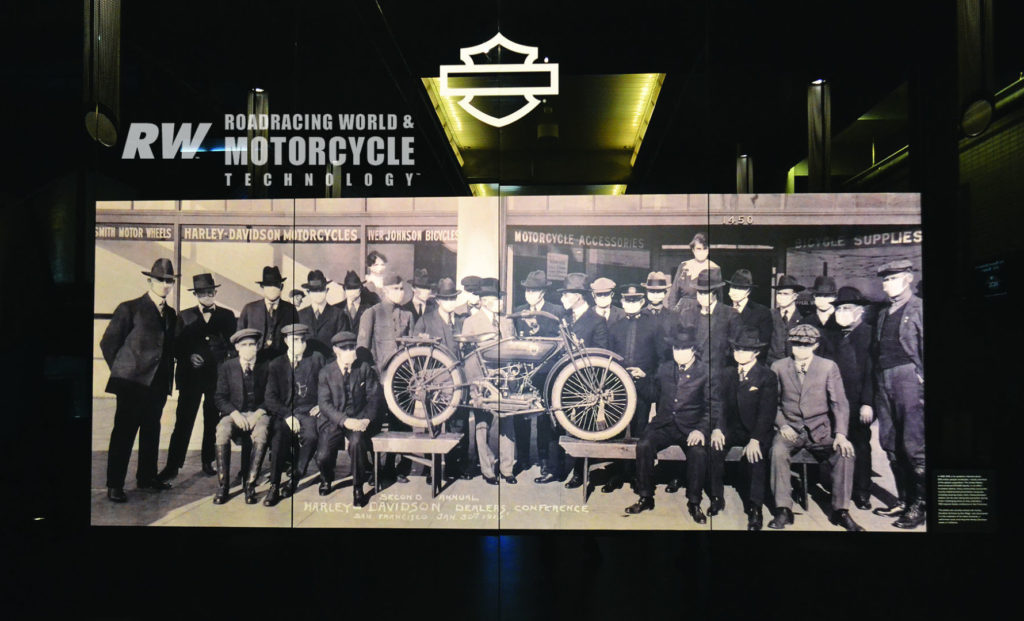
(528, 314)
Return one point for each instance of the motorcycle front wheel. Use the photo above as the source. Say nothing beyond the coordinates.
(593, 398)
(427, 376)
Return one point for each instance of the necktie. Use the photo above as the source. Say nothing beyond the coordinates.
(451, 322)
(207, 310)
(160, 306)
(801, 371)
(316, 313)
(272, 309)
(743, 375)
(785, 316)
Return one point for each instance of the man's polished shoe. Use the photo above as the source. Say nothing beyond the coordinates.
(841, 517)
(547, 477)
(673, 486)
(863, 504)
(913, 517)
(250, 493)
(221, 497)
(156, 485)
(325, 488)
(466, 475)
(754, 519)
(116, 494)
(644, 504)
(510, 480)
(613, 484)
(694, 509)
(893, 511)
(288, 489)
(273, 496)
(490, 480)
(358, 498)
(717, 506)
(401, 478)
(783, 517)
(208, 469)
(167, 474)
(574, 482)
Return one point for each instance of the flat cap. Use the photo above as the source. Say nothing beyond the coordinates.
(895, 267)
(602, 285)
(245, 333)
(343, 338)
(295, 329)
(804, 334)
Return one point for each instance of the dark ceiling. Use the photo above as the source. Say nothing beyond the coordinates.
(736, 78)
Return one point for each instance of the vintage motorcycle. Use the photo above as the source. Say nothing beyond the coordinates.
(586, 390)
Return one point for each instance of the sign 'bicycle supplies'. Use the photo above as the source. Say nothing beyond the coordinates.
(528, 66)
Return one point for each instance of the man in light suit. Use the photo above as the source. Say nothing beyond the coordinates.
(200, 344)
(322, 319)
(813, 414)
(138, 346)
(785, 316)
(269, 315)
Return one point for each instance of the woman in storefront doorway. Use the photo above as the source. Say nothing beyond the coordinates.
(683, 293)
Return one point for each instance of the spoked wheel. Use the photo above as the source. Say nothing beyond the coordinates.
(427, 375)
(593, 398)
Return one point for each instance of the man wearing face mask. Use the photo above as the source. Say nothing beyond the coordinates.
(379, 330)
(686, 406)
(240, 397)
(592, 331)
(750, 396)
(292, 400)
(269, 315)
(813, 414)
(785, 316)
(471, 285)
(657, 288)
(138, 346)
(200, 343)
(422, 295)
(823, 318)
(349, 395)
(443, 322)
(358, 299)
(682, 295)
(322, 319)
(750, 312)
(853, 355)
(602, 290)
(636, 338)
(899, 403)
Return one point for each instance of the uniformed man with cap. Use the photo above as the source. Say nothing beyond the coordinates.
(750, 398)
(358, 299)
(269, 314)
(899, 403)
(785, 316)
(349, 396)
(823, 317)
(138, 346)
(813, 414)
(686, 406)
(603, 290)
(751, 313)
(291, 398)
(201, 342)
(240, 397)
(322, 319)
(853, 355)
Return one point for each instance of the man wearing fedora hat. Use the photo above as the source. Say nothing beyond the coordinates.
(750, 397)
(853, 355)
(358, 299)
(201, 343)
(750, 312)
(823, 317)
(240, 397)
(813, 414)
(603, 290)
(656, 286)
(686, 406)
(291, 398)
(785, 316)
(138, 347)
(899, 402)
(269, 314)
(422, 295)
(535, 286)
(322, 319)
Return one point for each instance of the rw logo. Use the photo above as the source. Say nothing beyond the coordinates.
(526, 67)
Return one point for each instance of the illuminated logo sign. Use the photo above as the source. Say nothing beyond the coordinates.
(528, 66)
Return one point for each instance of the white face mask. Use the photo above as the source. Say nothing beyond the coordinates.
(743, 356)
(317, 298)
(569, 300)
(352, 294)
(785, 297)
(656, 297)
(534, 297)
(895, 284)
(803, 352)
(394, 294)
(736, 294)
(847, 315)
(378, 268)
(824, 302)
(346, 356)
(683, 357)
(700, 253)
(271, 293)
(160, 288)
(632, 307)
(490, 303)
(602, 301)
(704, 299)
(448, 305)
(422, 294)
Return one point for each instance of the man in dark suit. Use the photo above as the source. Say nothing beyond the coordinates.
(358, 299)
(813, 414)
(138, 346)
(637, 339)
(322, 319)
(422, 300)
(592, 331)
(535, 285)
(785, 316)
(269, 315)
(443, 322)
(657, 285)
(823, 317)
(686, 406)
(602, 290)
(292, 400)
(750, 312)
(348, 390)
(200, 345)
(750, 397)
(240, 397)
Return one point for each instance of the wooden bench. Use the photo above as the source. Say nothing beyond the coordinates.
(410, 443)
(626, 449)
